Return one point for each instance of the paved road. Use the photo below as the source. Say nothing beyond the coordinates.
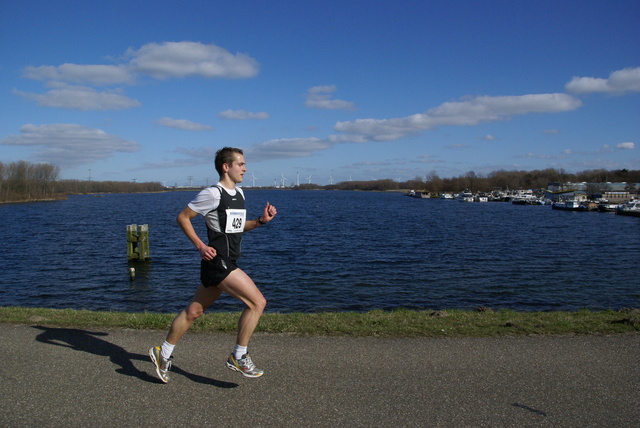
(55, 377)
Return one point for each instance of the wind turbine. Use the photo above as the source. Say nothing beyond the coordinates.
(309, 180)
(253, 180)
(282, 180)
(330, 180)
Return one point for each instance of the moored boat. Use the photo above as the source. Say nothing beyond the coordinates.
(419, 195)
(569, 205)
(481, 197)
(607, 208)
(465, 196)
(631, 208)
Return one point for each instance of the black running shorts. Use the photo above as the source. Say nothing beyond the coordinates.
(213, 272)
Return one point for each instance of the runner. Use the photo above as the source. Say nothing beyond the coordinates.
(222, 206)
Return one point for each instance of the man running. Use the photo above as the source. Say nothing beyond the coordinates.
(222, 206)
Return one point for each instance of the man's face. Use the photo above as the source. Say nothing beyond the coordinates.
(237, 169)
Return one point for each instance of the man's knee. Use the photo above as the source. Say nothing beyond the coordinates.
(259, 304)
(194, 311)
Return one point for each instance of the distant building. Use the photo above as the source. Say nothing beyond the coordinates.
(614, 197)
(612, 192)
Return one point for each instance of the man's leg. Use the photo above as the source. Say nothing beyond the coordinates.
(161, 356)
(202, 299)
(239, 285)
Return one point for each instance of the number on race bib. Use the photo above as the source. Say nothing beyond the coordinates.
(235, 221)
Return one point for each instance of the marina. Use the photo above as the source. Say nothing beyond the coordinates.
(626, 203)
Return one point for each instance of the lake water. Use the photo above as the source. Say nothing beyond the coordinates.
(325, 251)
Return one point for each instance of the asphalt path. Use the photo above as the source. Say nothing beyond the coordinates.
(60, 377)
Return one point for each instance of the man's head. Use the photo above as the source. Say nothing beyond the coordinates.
(226, 155)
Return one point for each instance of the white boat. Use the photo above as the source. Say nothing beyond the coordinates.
(629, 208)
(607, 208)
(569, 205)
(481, 197)
(465, 196)
(420, 195)
(497, 196)
(446, 196)
(531, 201)
(522, 197)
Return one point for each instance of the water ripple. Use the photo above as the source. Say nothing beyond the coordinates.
(325, 251)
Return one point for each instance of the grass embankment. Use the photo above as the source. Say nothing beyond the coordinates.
(377, 323)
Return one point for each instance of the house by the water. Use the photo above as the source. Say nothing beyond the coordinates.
(611, 192)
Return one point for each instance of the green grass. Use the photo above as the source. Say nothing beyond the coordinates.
(377, 323)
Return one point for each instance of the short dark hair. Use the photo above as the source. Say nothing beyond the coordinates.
(226, 155)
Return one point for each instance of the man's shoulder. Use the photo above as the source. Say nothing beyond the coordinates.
(210, 191)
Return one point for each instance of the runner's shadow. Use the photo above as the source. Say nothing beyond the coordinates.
(90, 341)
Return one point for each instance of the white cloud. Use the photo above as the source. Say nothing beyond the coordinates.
(625, 146)
(183, 124)
(286, 148)
(467, 112)
(159, 61)
(177, 163)
(81, 98)
(320, 97)
(622, 146)
(584, 85)
(619, 82)
(200, 156)
(68, 145)
(242, 115)
(487, 137)
(267, 150)
(605, 149)
(97, 75)
(183, 59)
(551, 131)
(456, 146)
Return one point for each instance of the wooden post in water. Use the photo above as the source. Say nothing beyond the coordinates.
(138, 241)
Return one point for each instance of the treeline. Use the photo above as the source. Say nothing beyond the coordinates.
(24, 181)
(535, 179)
(79, 187)
(501, 179)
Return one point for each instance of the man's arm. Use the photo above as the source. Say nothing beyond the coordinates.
(184, 221)
(268, 213)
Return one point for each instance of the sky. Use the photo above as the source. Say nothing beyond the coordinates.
(319, 91)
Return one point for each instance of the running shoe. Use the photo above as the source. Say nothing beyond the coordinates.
(162, 365)
(244, 365)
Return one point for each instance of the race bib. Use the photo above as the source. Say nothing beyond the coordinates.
(235, 221)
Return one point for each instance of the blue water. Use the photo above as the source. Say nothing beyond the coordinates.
(325, 251)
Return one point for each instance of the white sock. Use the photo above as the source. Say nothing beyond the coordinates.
(239, 352)
(167, 349)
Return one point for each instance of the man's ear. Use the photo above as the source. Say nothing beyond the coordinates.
(225, 167)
